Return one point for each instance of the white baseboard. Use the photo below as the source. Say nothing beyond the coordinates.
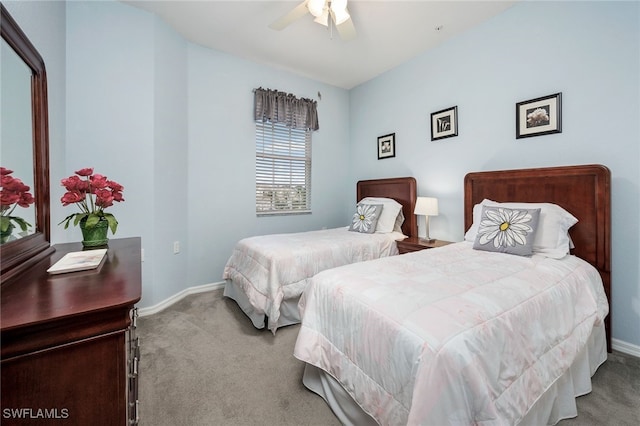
(179, 296)
(627, 348)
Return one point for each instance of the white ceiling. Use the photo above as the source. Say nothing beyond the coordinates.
(388, 33)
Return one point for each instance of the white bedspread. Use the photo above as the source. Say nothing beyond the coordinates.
(449, 335)
(270, 268)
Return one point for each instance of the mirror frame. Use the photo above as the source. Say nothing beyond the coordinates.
(16, 256)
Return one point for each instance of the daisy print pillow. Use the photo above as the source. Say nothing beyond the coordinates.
(366, 218)
(506, 230)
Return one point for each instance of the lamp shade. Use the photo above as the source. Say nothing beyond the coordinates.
(426, 206)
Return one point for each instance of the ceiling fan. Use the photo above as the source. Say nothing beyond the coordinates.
(325, 12)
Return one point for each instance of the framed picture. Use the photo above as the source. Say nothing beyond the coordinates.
(444, 124)
(387, 146)
(540, 116)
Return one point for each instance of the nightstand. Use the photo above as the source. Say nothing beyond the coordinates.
(416, 244)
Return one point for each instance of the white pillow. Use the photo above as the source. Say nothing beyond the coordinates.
(552, 238)
(470, 235)
(390, 210)
(399, 222)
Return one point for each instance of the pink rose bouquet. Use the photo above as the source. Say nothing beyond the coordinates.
(13, 193)
(92, 193)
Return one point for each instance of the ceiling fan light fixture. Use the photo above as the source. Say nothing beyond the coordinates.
(317, 7)
(340, 16)
(323, 19)
(332, 14)
(339, 9)
(338, 5)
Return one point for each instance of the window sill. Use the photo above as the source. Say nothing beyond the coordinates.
(283, 213)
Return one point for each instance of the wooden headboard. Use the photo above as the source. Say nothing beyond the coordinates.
(402, 189)
(584, 191)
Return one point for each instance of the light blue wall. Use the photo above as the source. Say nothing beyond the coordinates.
(589, 51)
(170, 166)
(110, 115)
(222, 158)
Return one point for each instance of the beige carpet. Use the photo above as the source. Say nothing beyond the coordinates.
(203, 363)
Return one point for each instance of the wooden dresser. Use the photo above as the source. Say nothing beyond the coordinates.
(69, 354)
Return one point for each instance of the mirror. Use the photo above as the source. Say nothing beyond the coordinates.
(16, 147)
(30, 155)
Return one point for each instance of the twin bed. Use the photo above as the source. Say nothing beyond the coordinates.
(266, 275)
(462, 335)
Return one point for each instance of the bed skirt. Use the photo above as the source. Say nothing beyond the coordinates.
(557, 403)
(289, 313)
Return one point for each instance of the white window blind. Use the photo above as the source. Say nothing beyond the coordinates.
(283, 169)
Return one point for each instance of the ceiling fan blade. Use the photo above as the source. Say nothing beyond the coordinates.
(296, 13)
(347, 30)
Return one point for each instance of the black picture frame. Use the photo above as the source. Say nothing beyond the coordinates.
(387, 146)
(539, 116)
(444, 123)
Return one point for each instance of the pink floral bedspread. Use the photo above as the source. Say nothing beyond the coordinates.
(449, 335)
(270, 268)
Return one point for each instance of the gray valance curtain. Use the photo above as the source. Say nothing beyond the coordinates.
(285, 108)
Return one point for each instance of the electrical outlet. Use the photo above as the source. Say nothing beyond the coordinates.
(176, 247)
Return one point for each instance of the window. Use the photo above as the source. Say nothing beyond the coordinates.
(283, 169)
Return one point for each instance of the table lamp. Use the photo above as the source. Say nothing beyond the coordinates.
(426, 206)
